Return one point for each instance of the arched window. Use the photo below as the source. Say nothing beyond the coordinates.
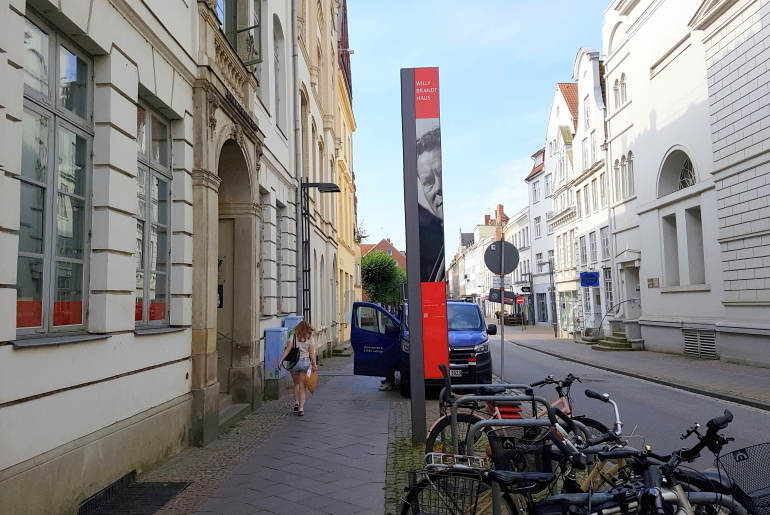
(279, 78)
(677, 173)
(687, 175)
(616, 92)
(623, 97)
(630, 174)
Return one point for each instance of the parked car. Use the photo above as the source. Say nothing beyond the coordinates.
(380, 342)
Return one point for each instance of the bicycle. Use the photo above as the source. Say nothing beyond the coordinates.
(440, 439)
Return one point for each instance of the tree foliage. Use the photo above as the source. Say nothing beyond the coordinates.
(381, 278)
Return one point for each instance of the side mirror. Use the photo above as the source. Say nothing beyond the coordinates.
(392, 330)
(491, 329)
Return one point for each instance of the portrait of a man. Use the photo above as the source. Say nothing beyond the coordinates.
(431, 203)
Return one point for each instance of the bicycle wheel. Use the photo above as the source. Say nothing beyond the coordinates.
(595, 428)
(447, 491)
(440, 437)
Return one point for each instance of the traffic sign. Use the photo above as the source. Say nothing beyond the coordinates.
(496, 281)
(501, 257)
(494, 296)
(519, 300)
(526, 289)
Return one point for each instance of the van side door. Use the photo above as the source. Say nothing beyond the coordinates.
(375, 338)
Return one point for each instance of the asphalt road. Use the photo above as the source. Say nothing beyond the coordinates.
(658, 414)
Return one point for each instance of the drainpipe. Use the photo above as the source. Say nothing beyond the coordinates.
(297, 158)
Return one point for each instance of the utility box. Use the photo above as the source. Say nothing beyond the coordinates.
(276, 339)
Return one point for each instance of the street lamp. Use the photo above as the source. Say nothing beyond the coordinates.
(303, 235)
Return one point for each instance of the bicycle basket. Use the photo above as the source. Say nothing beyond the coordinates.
(522, 449)
(748, 468)
(443, 492)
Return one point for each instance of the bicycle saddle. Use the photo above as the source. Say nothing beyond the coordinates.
(509, 478)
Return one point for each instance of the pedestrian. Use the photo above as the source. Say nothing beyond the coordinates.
(302, 338)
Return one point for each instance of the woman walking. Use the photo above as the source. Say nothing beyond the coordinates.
(303, 339)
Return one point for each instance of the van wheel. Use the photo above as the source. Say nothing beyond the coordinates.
(406, 390)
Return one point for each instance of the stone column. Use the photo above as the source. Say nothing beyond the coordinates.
(205, 388)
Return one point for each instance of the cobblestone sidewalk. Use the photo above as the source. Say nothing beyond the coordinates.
(206, 468)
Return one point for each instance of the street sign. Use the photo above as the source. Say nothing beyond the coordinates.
(496, 281)
(519, 300)
(526, 289)
(494, 296)
(501, 257)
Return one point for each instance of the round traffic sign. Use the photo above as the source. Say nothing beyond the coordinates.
(501, 257)
(519, 300)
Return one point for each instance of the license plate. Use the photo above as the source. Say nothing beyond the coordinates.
(455, 373)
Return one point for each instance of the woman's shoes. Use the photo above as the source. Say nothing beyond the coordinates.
(301, 412)
(296, 406)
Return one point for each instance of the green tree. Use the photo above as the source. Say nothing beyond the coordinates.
(381, 278)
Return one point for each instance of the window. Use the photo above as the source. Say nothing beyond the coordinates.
(579, 205)
(618, 189)
(609, 302)
(548, 185)
(539, 261)
(587, 300)
(583, 251)
(670, 250)
(357, 274)
(603, 189)
(571, 244)
(687, 175)
(153, 201)
(560, 253)
(594, 249)
(240, 24)
(630, 174)
(55, 187)
(623, 97)
(538, 229)
(616, 93)
(587, 111)
(604, 232)
(594, 195)
(585, 154)
(390, 252)
(594, 157)
(587, 200)
(535, 191)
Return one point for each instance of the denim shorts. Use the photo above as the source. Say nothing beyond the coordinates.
(301, 366)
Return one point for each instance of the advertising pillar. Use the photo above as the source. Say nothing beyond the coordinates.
(424, 214)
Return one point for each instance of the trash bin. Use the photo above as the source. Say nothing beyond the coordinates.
(290, 322)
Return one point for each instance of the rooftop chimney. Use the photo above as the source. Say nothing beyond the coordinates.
(486, 219)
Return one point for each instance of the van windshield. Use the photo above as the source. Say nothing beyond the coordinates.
(464, 317)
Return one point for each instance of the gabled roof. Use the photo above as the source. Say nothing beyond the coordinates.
(366, 247)
(569, 91)
(536, 167)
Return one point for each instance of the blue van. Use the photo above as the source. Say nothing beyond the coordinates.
(381, 343)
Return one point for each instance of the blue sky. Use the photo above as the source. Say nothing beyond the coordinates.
(499, 62)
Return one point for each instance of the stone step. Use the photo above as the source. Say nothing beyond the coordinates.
(232, 414)
(588, 340)
(602, 347)
(619, 334)
(616, 339)
(616, 345)
(342, 349)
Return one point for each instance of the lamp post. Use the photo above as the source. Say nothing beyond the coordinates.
(303, 238)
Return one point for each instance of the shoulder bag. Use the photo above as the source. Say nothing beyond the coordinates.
(293, 355)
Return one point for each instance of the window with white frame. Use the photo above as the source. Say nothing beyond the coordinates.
(539, 261)
(604, 232)
(587, 111)
(548, 184)
(587, 200)
(618, 183)
(153, 217)
(579, 205)
(55, 189)
(623, 96)
(585, 154)
(616, 93)
(240, 24)
(594, 156)
(595, 194)
(629, 182)
(608, 300)
(583, 251)
(594, 249)
(603, 189)
(538, 229)
(535, 192)
(559, 252)
(587, 300)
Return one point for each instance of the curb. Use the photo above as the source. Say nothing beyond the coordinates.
(680, 386)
